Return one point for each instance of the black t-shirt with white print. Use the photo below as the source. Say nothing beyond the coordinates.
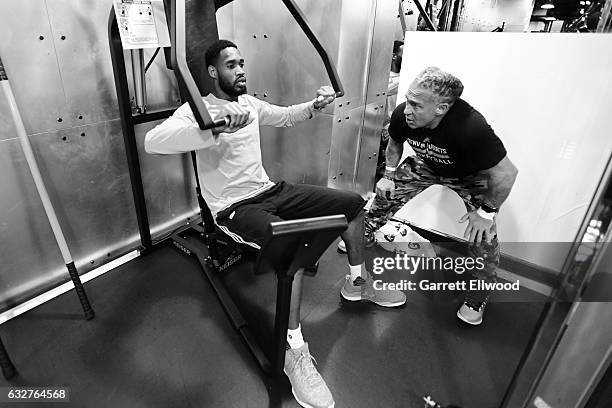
(462, 144)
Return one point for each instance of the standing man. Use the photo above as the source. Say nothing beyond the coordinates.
(244, 200)
(455, 147)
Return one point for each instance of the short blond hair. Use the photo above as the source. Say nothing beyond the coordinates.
(447, 87)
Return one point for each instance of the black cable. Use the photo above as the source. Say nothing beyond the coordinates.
(151, 60)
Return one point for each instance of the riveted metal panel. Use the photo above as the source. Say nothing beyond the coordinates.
(369, 145)
(353, 51)
(366, 43)
(246, 15)
(28, 53)
(71, 63)
(79, 34)
(287, 68)
(381, 49)
(345, 142)
(86, 176)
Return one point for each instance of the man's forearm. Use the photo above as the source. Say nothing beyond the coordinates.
(393, 153)
(499, 187)
(283, 116)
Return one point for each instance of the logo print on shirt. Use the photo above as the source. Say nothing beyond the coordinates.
(429, 151)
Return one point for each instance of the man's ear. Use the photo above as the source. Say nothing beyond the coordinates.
(442, 108)
(212, 71)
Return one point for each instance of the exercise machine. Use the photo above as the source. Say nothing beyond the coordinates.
(289, 245)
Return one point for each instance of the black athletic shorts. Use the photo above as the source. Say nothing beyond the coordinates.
(247, 221)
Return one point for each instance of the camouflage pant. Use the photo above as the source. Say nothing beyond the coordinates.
(412, 177)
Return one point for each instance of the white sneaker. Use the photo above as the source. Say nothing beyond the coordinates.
(307, 385)
(363, 289)
(471, 313)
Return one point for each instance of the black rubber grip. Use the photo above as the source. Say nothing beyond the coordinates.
(78, 286)
(3, 76)
(8, 369)
(221, 122)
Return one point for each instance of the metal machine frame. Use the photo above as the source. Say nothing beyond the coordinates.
(290, 245)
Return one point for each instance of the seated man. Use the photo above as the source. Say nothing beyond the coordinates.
(244, 201)
(455, 147)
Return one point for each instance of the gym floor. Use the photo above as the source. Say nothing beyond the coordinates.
(161, 339)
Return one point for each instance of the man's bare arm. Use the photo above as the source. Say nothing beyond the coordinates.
(393, 153)
(501, 178)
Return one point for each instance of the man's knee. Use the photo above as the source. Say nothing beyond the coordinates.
(355, 205)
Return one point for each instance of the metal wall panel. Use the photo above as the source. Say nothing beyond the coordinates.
(355, 33)
(86, 176)
(28, 247)
(370, 142)
(378, 69)
(299, 154)
(367, 32)
(381, 50)
(282, 66)
(31, 65)
(83, 58)
(68, 74)
(343, 151)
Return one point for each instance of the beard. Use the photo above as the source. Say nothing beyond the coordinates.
(232, 89)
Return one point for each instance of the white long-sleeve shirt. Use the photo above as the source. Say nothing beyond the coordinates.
(229, 164)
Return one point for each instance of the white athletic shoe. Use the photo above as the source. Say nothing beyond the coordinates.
(471, 313)
(307, 385)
